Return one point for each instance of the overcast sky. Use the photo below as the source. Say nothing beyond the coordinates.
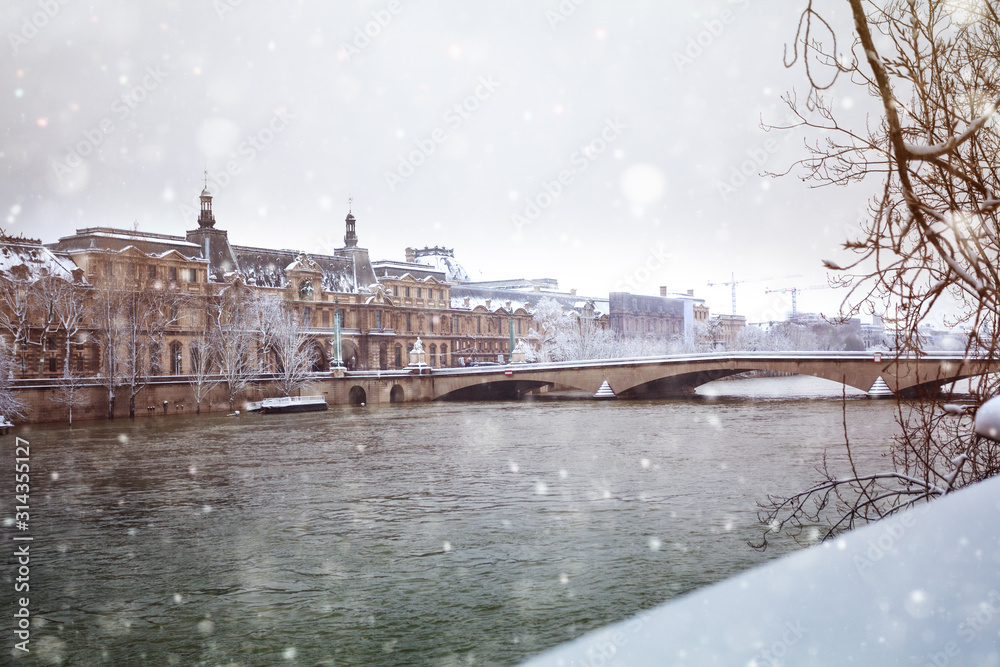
(448, 122)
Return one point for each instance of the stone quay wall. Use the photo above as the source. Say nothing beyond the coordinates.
(176, 396)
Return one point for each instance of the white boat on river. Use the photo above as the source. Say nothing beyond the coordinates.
(288, 404)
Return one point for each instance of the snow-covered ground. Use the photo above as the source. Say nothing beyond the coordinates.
(922, 588)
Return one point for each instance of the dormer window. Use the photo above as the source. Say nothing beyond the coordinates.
(306, 290)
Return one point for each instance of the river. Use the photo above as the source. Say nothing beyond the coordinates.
(434, 533)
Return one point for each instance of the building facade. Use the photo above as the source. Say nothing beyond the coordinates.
(381, 314)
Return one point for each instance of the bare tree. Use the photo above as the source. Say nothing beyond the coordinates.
(70, 393)
(283, 335)
(65, 304)
(11, 407)
(107, 321)
(204, 375)
(235, 336)
(149, 312)
(18, 311)
(130, 318)
(931, 240)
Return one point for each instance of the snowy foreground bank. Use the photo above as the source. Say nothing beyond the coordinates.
(920, 589)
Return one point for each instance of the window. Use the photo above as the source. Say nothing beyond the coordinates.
(151, 269)
(108, 269)
(519, 327)
(173, 273)
(406, 291)
(433, 355)
(409, 326)
(194, 276)
(52, 364)
(441, 294)
(79, 363)
(306, 290)
(419, 293)
(306, 317)
(399, 356)
(326, 318)
(176, 360)
(454, 323)
(378, 319)
(395, 290)
(174, 312)
(444, 355)
(479, 325)
(431, 319)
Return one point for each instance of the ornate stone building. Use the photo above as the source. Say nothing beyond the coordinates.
(381, 315)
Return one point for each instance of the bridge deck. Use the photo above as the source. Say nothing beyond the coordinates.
(670, 375)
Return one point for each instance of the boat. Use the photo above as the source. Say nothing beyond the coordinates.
(288, 404)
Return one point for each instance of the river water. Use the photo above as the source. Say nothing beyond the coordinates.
(435, 533)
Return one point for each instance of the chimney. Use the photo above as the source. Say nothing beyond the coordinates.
(466, 302)
(537, 288)
(488, 302)
(663, 290)
(508, 305)
(573, 291)
(411, 255)
(690, 292)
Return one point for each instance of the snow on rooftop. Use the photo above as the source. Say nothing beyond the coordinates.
(38, 261)
(137, 237)
(453, 271)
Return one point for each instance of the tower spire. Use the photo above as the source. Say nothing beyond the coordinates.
(206, 219)
(351, 237)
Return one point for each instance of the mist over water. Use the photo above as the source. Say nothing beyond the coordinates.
(435, 533)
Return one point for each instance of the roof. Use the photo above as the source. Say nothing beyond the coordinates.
(38, 261)
(107, 238)
(347, 273)
(385, 268)
(520, 299)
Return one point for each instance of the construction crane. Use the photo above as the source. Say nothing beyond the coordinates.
(734, 282)
(795, 291)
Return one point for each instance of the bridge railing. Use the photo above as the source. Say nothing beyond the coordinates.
(708, 357)
(796, 355)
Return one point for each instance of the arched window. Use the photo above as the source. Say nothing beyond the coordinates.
(433, 354)
(176, 360)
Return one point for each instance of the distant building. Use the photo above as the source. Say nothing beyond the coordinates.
(663, 316)
(727, 328)
(873, 335)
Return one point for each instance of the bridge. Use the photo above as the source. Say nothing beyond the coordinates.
(659, 377)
